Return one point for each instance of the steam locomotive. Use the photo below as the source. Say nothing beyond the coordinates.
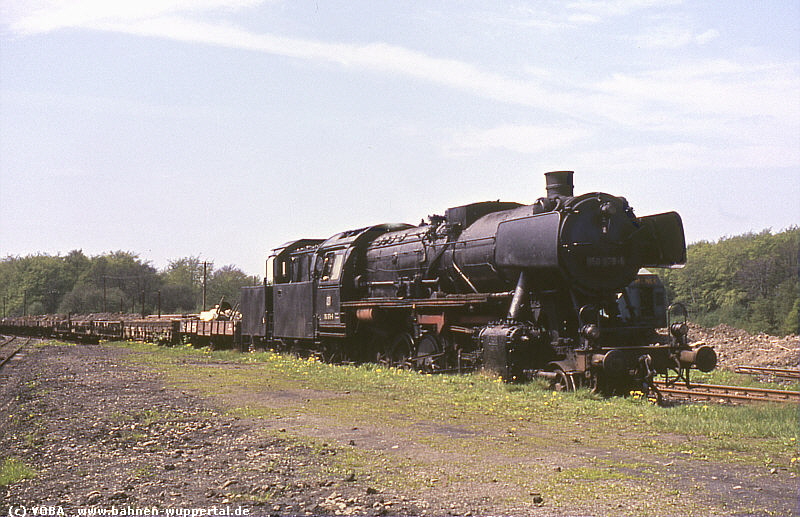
(555, 290)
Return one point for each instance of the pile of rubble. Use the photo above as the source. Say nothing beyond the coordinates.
(737, 347)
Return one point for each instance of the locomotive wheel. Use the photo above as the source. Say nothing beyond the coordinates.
(401, 346)
(280, 345)
(598, 385)
(429, 353)
(593, 382)
(332, 351)
(563, 382)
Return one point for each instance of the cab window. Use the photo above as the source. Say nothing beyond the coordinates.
(301, 265)
(271, 270)
(332, 266)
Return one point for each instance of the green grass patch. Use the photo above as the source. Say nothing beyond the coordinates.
(730, 378)
(472, 429)
(144, 472)
(14, 470)
(146, 417)
(401, 397)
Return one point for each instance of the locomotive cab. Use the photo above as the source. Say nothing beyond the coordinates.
(289, 268)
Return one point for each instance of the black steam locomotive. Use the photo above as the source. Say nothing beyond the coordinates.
(553, 290)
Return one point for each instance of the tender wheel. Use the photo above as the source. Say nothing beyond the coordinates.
(333, 352)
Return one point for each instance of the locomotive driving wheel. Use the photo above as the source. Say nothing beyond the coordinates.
(429, 354)
(401, 346)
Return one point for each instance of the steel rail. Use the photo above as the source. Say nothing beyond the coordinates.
(786, 373)
(6, 358)
(731, 393)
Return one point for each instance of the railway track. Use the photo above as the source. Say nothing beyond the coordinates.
(785, 373)
(8, 349)
(714, 392)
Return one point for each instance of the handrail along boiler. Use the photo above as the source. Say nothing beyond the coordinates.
(555, 289)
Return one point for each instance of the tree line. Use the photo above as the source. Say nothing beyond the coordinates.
(117, 281)
(749, 281)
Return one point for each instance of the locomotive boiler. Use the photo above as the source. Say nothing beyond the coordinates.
(556, 289)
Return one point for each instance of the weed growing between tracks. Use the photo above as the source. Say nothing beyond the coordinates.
(729, 378)
(13, 470)
(451, 432)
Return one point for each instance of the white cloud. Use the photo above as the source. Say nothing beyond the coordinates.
(167, 19)
(558, 15)
(518, 138)
(700, 99)
(664, 37)
(716, 87)
(687, 156)
(38, 16)
(707, 36)
(673, 36)
(606, 8)
(379, 57)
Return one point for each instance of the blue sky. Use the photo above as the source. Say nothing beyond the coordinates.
(223, 128)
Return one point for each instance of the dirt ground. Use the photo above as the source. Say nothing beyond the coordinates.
(103, 432)
(736, 347)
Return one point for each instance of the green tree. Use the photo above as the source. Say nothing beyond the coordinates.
(749, 281)
(118, 281)
(34, 284)
(182, 284)
(226, 283)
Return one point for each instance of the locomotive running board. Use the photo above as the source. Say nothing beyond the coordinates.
(419, 303)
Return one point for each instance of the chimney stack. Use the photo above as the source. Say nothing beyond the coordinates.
(559, 183)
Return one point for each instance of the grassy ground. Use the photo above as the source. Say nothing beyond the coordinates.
(13, 470)
(450, 433)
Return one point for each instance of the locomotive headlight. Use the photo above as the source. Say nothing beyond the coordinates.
(679, 330)
(608, 209)
(590, 332)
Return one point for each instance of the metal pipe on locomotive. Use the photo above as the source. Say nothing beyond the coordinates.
(553, 290)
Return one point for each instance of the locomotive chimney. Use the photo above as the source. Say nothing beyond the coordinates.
(559, 183)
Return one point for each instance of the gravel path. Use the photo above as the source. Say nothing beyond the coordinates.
(102, 434)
